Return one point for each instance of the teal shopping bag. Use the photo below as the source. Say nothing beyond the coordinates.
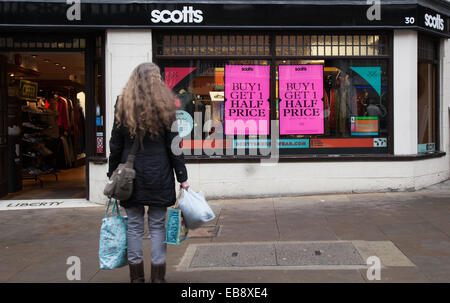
(113, 239)
(176, 231)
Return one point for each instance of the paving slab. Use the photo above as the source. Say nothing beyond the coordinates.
(54, 268)
(304, 202)
(389, 254)
(398, 275)
(342, 217)
(386, 217)
(443, 226)
(368, 197)
(415, 228)
(430, 264)
(435, 268)
(234, 255)
(357, 231)
(263, 231)
(413, 248)
(403, 196)
(438, 277)
(305, 232)
(310, 254)
(299, 216)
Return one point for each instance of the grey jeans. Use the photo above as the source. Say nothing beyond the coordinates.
(157, 228)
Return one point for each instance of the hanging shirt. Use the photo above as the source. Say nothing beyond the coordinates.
(330, 105)
(63, 119)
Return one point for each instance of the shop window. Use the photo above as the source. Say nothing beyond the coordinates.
(355, 107)
(334, 105)
(427, 98)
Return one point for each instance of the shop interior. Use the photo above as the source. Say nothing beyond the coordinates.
(46, 125)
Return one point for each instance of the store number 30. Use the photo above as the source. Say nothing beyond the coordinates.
(410, 20)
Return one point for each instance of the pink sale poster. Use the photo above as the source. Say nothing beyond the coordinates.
(247, 93)
(301, 105)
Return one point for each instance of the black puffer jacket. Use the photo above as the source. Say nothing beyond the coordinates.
(154, 164)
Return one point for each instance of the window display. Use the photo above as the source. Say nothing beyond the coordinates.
(329, 105)
(355, 105)
(247, 93)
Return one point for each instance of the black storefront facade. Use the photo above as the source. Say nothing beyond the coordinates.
(382, 123)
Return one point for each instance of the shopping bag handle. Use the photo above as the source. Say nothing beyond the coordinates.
(107, 208)
(180, 192)
(115, 208)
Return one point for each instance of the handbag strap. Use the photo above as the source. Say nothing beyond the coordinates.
(134, 149)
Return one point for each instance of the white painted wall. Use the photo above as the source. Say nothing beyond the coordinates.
(290, 179)
(405, 92)
(227, 180)
(125, 49)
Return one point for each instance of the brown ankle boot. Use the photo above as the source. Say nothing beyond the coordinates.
(137, 272)
(158, 273)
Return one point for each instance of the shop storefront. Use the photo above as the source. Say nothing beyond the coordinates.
(52, 84)
(275, 98)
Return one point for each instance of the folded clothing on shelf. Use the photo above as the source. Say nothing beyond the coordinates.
(30, 109)
(31, 125)
(31, 138)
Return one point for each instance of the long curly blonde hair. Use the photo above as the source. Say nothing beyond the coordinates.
(146, 103)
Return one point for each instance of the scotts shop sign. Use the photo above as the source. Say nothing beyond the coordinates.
(435, 22)
(186, 15)
(305, 14)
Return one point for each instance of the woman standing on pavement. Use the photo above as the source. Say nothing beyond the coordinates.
(146, 110)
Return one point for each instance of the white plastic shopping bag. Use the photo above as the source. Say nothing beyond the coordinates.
(195, 209)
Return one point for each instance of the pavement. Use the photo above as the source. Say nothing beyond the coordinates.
(320, 238)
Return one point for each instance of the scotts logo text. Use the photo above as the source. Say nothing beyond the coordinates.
(187, 15)
(434, 22)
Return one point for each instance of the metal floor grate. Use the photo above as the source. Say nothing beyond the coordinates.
(277, 254)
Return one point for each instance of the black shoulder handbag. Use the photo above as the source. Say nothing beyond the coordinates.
(120, 185)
